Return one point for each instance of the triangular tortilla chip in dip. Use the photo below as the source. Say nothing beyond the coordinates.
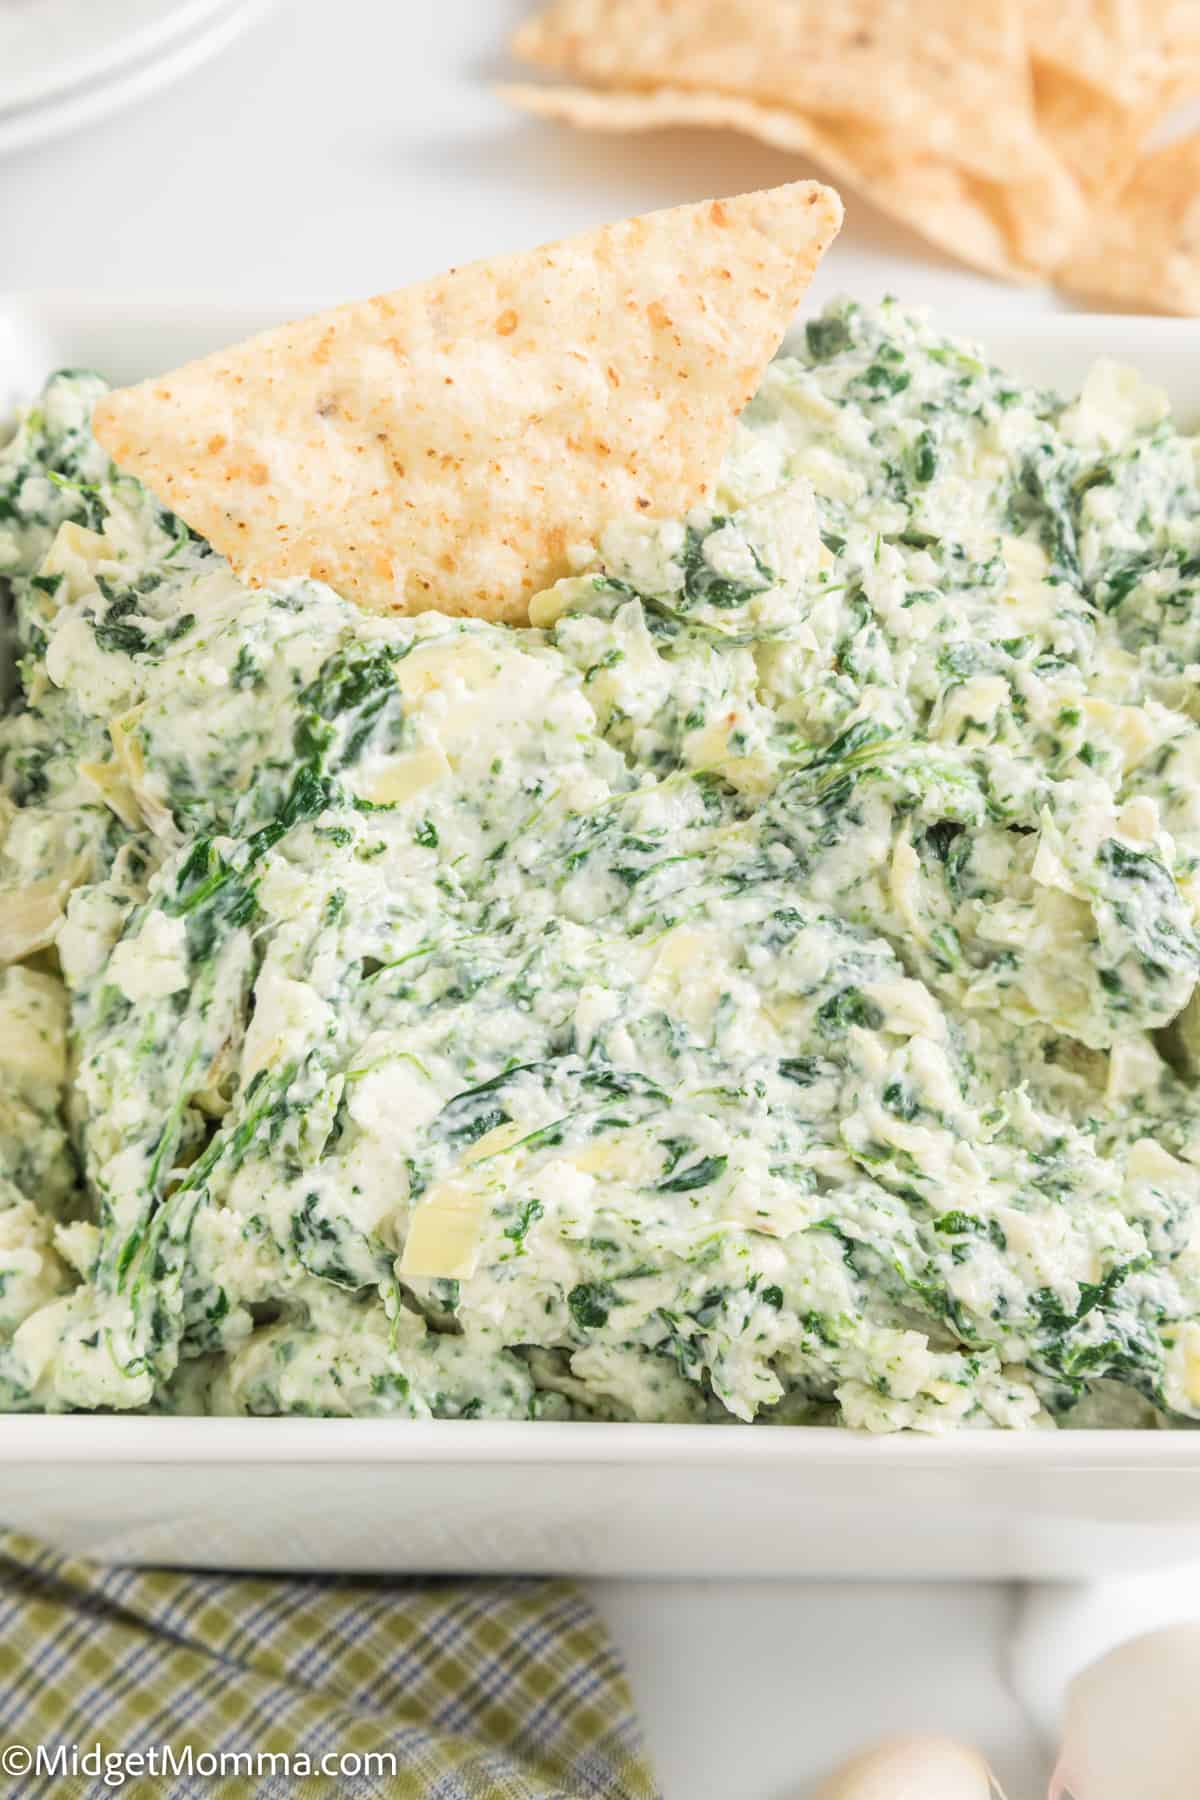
(444, 446)
(1144, 249)
(948, 77)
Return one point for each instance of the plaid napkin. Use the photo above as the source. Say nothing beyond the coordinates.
(460, 1690)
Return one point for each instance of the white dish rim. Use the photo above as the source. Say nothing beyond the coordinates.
(169, 1438)
(1093, 334)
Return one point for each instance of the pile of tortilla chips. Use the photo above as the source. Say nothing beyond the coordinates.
(1016, 134)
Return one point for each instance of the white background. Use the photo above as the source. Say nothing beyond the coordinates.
(348, 146)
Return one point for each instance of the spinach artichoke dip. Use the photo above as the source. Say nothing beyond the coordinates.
(761, 988)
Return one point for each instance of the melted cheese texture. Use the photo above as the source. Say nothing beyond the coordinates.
(764, 987)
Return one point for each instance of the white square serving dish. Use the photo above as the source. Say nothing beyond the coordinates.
(590, 1499)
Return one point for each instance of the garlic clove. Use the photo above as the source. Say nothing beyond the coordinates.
(1132, 1724)
(913, 1768)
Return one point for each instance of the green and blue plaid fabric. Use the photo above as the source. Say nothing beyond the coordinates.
(434, 1689)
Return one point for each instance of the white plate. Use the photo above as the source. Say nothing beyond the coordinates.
(199, 31)
(594, 1499)
(48, 46)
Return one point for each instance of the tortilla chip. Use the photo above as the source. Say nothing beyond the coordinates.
(1096, 137)
(1044, 219)
(998, 229)
(444, 446)
(948, 77)
(1181, 44)
(1115, 48)
(1106, 74)
(1144, 247)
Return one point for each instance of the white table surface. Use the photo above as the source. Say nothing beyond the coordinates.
(348, 146)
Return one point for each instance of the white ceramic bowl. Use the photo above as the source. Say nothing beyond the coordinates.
(596, 1499)
(65, 64)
